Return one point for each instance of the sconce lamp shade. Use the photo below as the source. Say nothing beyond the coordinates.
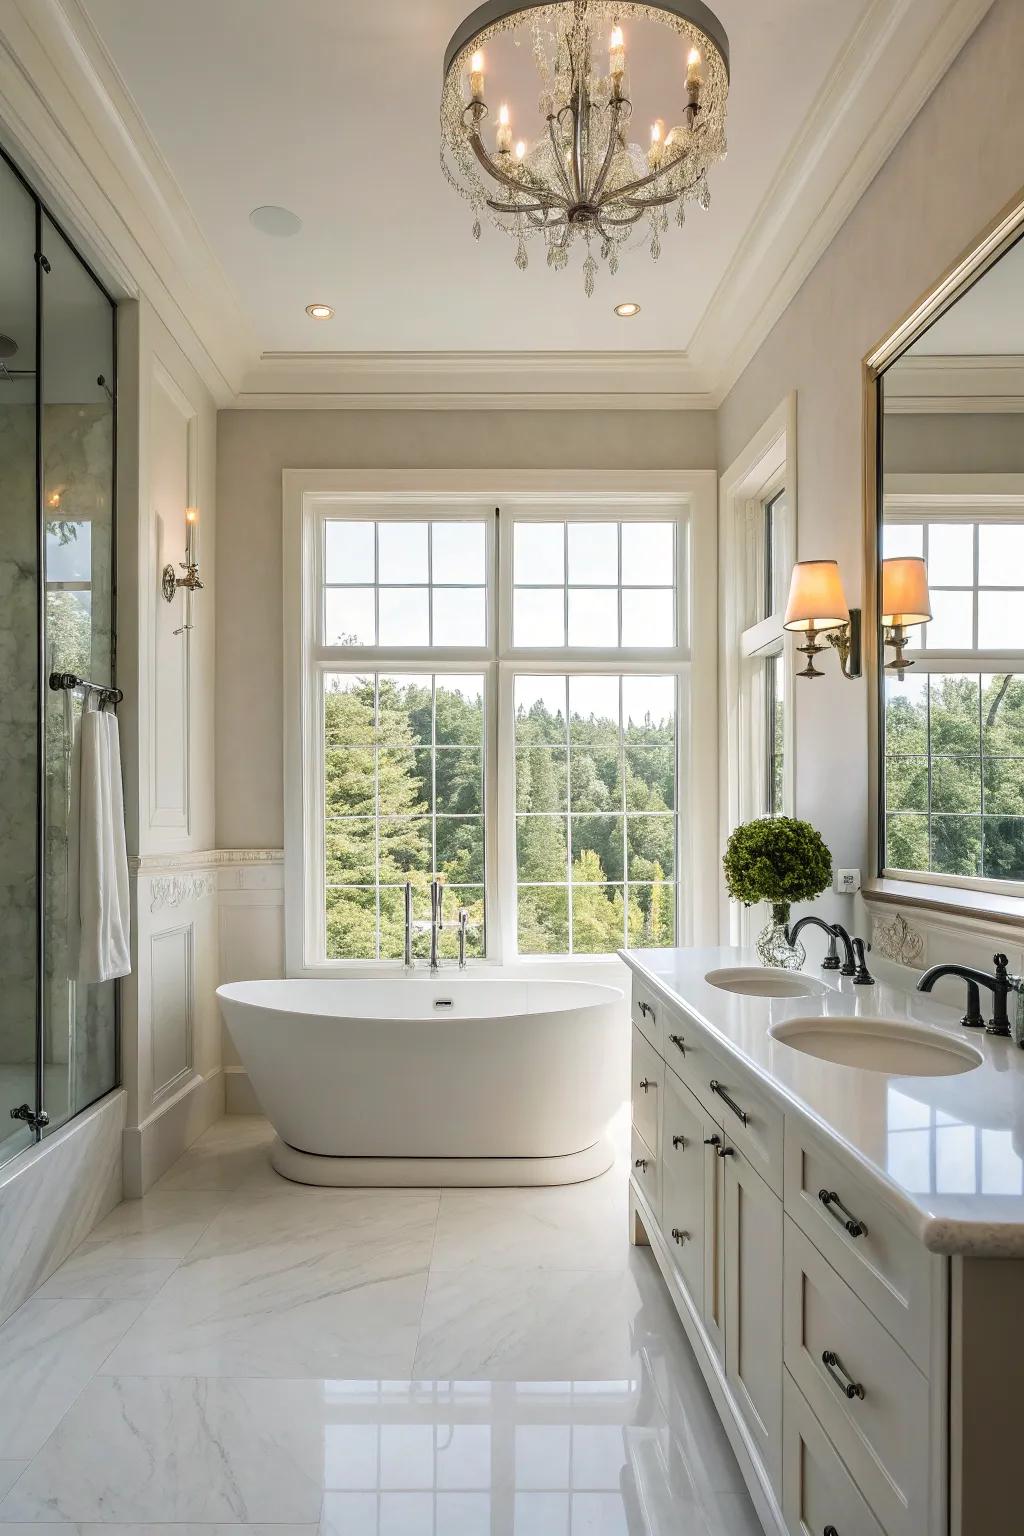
(905, 596)
(816, 597)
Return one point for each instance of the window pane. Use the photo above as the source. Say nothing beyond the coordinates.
(598, 919)
(460, 616)
(351, 851)
(652, 916)
(459, 710)
(906, 842)
(594, 554)
(542, 848)
(351, 925)
(955, 720)
(405, 710)
(1001, 619)
(1000, 554)
(648, 619)
(541, 779)
(406, 780)
(902, 539)
(906, 783)
(405, 847)
(69, 551)
(349, 617)
(539, 553)
(594, 711)
(956, 845)
(402, 552)
(538, 617)
(460, 781)
(404, 616)
(543, 920)
(349, 783)
(650, 778)
(1004, 785)
(597, 849)
(906, 713)
(951, 554)
(348, 552)
(649, 709)
(651, 847)
(348, 710)
(1004, 847)
(648, 554)
(541, 711)
(956, 784)
(459, 553)
(1002, 714)
(472, 898)
(594, 617)
(595, 780)
(952, 623)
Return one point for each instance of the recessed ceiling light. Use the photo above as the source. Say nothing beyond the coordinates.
(319, 311)
(627, 311)
(272, 220)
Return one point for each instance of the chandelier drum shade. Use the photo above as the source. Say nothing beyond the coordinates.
(570, 174)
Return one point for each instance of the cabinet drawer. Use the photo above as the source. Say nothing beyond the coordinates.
(870, 1397)
(648, 1074)
(732, 1097)
(646, 1171)
(885, 1264)
(684, 1185)
(647, 1012)
(818, 1494)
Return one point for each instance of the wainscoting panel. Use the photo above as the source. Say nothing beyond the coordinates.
(171, 982)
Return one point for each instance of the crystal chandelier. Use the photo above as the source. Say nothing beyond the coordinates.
(580, 179)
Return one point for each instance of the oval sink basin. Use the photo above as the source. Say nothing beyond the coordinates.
(879, 1045)
(765, 981)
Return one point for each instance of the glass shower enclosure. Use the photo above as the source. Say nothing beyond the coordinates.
(58, 1038)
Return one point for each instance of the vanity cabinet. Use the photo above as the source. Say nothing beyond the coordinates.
(818, 1318)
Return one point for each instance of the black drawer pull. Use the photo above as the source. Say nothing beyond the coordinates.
(725, 1152)
(829, 1198)
(841, 1376)
(741, 1114)
(679, 1142)
(830, 1530)
(679, 1236)
(647, 1083)
(641, 1163)
(678, 1042)
(646, 1011)
(712, 1141)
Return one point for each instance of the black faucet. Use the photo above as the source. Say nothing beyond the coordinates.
(855, 962)
(831, 960)
(999, 985)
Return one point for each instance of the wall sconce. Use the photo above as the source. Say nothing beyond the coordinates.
(817, 606)
(906, 602)
(169, 583)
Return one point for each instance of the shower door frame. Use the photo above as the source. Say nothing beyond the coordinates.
(43, 211)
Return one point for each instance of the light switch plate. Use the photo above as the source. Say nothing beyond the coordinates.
(847, 881)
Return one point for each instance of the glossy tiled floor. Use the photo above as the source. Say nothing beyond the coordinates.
(235, 1353)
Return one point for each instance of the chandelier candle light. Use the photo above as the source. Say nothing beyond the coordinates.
(580, 179)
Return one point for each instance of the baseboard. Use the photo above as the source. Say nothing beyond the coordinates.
(151, 1148)
(239, 1094)
(52, 1195)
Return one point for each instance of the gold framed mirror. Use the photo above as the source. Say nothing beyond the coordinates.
(944, 576)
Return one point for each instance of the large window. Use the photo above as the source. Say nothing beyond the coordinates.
(954, 723)
(499, 700)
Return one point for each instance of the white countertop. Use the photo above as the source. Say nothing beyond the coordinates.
(948, 1152)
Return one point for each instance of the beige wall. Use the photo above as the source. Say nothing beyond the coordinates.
(959, 163)
(255, 446)
(950, 444)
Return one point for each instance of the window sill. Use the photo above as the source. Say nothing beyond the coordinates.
(983, 907)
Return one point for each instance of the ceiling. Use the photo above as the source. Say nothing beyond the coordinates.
(330, 108)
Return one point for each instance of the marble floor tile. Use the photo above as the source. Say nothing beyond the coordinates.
(222, 1158)
(10, 1471)
(49, 1350)
(563, 1228)
(537, 1323)
(184, 1528)
(178, 1450)
(356, 1220)
(159, 1226)
(103, 1277)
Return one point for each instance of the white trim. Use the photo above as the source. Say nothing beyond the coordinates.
(765, 465)
(955, 385)
(567, 494)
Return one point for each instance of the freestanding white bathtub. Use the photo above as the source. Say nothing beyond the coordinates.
(428, 1081)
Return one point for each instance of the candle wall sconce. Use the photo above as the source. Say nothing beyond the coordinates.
(190, 582)
(906, 602)
(818, 609)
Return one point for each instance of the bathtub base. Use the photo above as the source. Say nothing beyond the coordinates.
(445, 1172)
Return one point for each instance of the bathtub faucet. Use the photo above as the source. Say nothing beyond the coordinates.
(408, 926)
(436, 921)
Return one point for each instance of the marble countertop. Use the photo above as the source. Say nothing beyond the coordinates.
(948, 1152)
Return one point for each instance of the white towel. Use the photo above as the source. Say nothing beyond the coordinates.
(105, 943)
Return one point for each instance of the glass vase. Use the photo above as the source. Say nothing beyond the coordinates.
(773, 946)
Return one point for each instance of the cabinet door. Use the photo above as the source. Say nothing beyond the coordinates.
(683, 1185)
(648, 1071)
(753, 1306)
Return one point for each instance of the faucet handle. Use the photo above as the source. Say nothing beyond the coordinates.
(1000, 962)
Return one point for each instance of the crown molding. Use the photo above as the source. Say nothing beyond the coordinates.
(888, 69)
(77, 133)
(935, 384)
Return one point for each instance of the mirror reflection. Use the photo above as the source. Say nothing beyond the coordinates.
(952, 589)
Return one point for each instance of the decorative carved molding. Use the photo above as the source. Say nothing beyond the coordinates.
(151, 864)
(172, 891)
(897, 941)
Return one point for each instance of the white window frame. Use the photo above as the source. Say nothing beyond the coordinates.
(554, 495)
(967, 499)
(767, 465)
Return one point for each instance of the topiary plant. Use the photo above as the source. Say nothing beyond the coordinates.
(781, 860)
